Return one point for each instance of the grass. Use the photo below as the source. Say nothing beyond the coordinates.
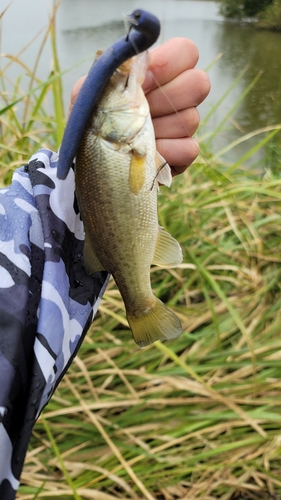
(26, 119)
(195, 418)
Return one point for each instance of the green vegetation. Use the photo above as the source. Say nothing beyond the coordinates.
(270, 18)
(265, 13)
(198, 417)
(240, 9)
(26, 122)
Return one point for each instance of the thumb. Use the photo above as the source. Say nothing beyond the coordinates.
(75, 91)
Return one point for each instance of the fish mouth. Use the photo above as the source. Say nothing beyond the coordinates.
(122, 109)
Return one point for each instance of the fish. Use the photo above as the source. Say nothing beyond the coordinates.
(117, 174)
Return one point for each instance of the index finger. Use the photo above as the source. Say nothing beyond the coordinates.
(168, 61)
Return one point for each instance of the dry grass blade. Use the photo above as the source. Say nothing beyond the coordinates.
(93, 418)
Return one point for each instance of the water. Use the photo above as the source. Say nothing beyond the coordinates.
(87, 25)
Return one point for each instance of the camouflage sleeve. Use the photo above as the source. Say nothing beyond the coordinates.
(47, 301)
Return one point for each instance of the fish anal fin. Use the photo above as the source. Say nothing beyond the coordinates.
(163, 169)
(137, 171)
(91, 262)
(157, 323)
(168, 251)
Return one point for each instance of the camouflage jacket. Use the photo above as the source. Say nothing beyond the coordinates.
(47, 301)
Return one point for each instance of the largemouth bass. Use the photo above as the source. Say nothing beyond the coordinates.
(117, 174)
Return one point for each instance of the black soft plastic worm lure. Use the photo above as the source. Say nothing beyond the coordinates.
(144, 31)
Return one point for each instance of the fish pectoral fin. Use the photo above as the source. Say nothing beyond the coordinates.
(156, 323)
(168, 251)
(164, 175)
(137, 172)
(91, 262)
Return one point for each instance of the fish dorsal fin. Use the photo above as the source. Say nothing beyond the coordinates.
(91, 262)
(164, 175)
(167, 251)
(137, 171)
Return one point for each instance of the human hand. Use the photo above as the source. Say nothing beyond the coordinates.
(173, 88)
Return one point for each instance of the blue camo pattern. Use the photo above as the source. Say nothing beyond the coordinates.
(47, 301)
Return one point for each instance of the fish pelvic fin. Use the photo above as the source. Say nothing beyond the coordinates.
(167, 251)
(91, 262)
(157, 323)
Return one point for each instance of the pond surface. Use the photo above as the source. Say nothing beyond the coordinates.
(86, 25)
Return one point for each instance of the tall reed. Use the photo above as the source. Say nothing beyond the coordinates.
(25, 119)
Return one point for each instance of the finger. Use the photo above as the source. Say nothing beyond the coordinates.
(179, 153)
(187, 90)
(168, 61)
(165, 63)
(75, 91)
(177, 125)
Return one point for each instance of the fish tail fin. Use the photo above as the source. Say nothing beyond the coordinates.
(157, 323)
